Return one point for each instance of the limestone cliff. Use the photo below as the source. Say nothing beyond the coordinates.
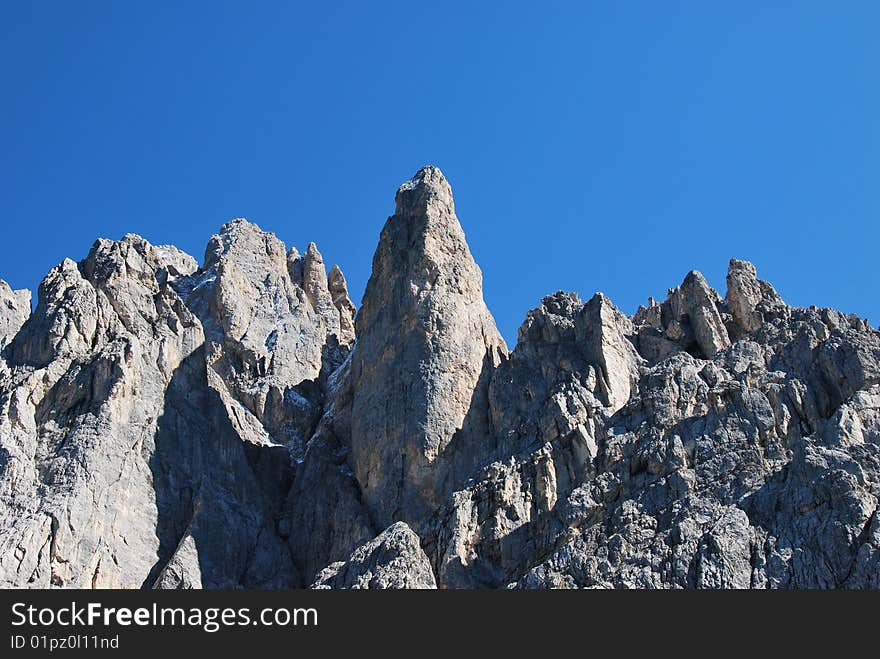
(238, 424)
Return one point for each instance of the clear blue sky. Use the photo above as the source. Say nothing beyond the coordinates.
(591, 146)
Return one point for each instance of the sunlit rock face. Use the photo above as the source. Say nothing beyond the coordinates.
(239, 423)
(425, 340)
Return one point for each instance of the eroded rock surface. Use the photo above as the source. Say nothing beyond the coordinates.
(236, 424)
(394, 559)
(426, 344)
(15, 307)
(150, 413)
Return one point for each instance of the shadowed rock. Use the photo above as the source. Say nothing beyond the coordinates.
(394, 559)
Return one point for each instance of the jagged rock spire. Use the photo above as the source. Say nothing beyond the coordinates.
(424, 339)
(690, 319)
(338, 288)
(15, 307)
(602, 331)
(167, 425)
(748, 296)
(695, 302)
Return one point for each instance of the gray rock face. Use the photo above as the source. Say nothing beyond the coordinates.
(325, 516)
(15, 307)
(273, 334)
(235, 425)
(394, 559)
(719, 473)
(688, 320)
(426, 343)
(749, 298)
(149, 414)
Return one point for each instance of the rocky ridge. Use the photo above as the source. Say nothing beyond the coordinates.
(165, 424)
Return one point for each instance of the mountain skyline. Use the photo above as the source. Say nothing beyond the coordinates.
(591, 146)
(234, 424)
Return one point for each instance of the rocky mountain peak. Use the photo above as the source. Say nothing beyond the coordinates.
(426, 343)
(170, 425)
(427, 189)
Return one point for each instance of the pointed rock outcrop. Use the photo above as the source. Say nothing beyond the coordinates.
(172, 426)
(604, 333)
(15, 307)
(274, 332)
(690, 319)
(749, 298)
(119, 460)
(565, 343)
(315, 284)
(152, 411)
(695, 312)
(339, 293)
(394, 559)
(425, 338)
(574, 366)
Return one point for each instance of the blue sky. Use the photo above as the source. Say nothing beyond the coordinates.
(591, 146)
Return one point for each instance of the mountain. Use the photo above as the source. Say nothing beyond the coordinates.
(235, 424)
